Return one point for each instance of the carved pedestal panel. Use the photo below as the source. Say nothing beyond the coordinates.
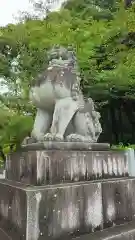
(47, 166)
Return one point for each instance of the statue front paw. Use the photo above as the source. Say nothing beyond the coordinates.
(79, 138)
(59, 138)
(75, 138)
(52, 137)
(48, 137)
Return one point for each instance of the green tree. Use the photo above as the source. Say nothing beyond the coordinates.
(105, 51)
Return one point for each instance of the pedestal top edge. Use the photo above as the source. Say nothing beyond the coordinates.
(30, 187)
(66, 146)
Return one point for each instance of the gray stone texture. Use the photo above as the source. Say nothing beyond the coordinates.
(62, 111)
(43, 167)
(4, 235)
(64, 210)
(13, 210)
(53, 145)
(131, 161)
(122, 232)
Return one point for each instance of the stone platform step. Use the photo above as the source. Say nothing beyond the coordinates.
(65, 210)
(41, 167)
(4, 236)
(122, 232)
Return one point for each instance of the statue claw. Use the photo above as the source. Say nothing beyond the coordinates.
(59, 138)
(78, 138)
(74, 138)
(48, 137)
(51, 137)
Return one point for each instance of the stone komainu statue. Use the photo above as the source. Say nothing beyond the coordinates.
(62, 112)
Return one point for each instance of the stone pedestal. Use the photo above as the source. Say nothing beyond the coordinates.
(43, 166)
(61, 210)
(56, 194)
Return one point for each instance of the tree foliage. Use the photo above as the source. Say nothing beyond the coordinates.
(103, 37)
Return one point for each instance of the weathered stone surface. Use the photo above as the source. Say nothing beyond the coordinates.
(63, 210)
(62, 111)
(50, 167)
(2, 174)
(122, 232)
(117, 202)
(52, 145)
(13, 210)
(4, 236)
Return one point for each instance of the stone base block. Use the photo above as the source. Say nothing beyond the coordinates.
(64, 210)
(43, 167)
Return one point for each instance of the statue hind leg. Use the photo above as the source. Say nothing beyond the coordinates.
(84, 129)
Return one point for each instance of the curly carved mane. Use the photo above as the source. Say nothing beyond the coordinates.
(58, 80)
(62, 66)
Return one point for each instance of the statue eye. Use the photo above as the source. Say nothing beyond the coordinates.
(55, 56)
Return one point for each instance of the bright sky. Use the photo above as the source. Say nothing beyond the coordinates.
(9, 9)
